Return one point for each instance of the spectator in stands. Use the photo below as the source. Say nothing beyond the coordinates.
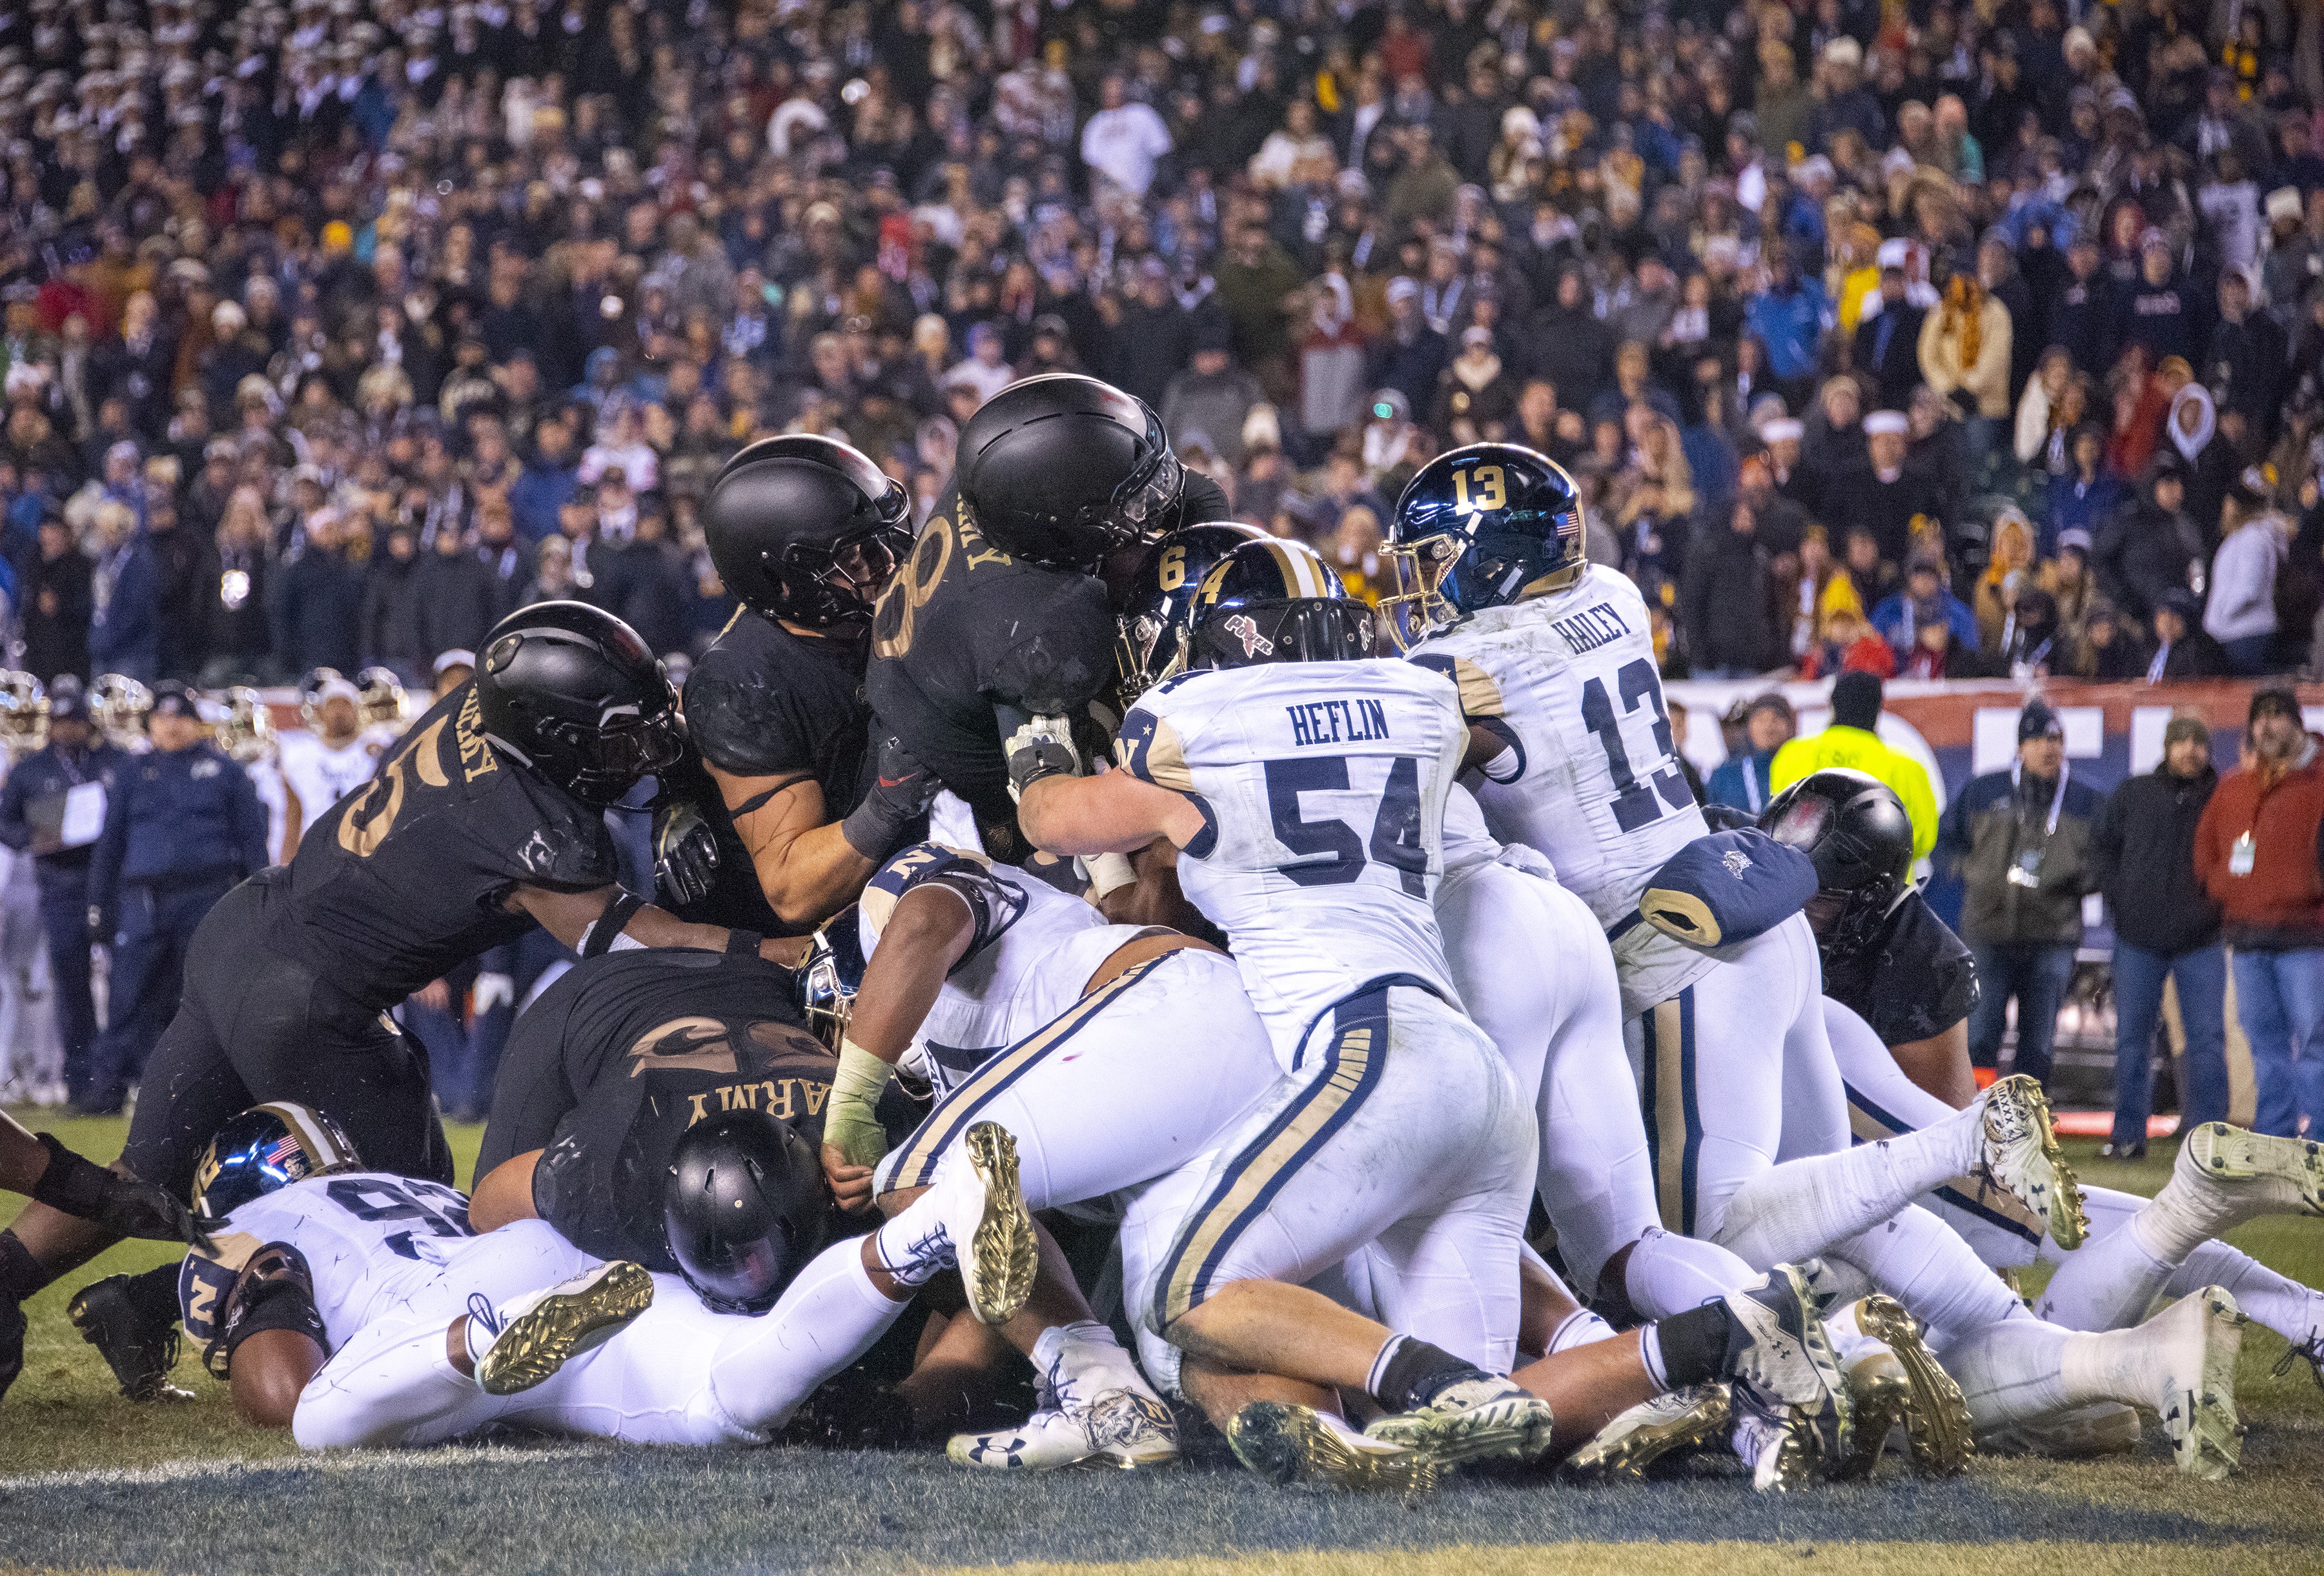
(2256, 541)
(1729, 600)
(2021, 841)
(2183, 650)
(2166, 928)
(2151, 546)
(124, 628)
(1746, 778)
(2255, 853)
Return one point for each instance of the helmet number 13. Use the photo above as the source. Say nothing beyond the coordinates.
(1491, 489)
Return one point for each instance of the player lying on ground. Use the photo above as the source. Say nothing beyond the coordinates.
(355, 1307)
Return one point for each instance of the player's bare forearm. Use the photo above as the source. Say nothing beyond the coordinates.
(1939, 1065)
(806, 866)
(1111, 813)
(269, 1371)
(504, 1194)
(567, 916)
(927, 934)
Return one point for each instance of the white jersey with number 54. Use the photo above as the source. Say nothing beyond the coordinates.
(1323, 787)
(1590, 774)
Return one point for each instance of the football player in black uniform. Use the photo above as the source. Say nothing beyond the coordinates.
(618, 1059)
(1000, 613)
(487, 818)
(797, 798)
(1887, 955)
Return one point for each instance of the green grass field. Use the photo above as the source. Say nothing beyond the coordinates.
(88, 1481)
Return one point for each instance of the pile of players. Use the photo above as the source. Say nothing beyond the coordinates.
(1082, 925)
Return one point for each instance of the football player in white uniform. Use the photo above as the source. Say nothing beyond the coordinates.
(1111, 1054)
(1304, 786)
(322, 766)
(355, 1307)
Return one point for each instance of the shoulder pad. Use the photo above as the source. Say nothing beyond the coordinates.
(994, 901)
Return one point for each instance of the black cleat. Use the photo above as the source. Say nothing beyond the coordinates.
(140, 1348)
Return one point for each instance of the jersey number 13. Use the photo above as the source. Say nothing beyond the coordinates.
(1635, 804)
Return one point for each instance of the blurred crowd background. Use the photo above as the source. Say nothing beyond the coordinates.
(1931, 339)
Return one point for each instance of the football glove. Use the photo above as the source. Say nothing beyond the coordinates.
(1043, 747)
(686, 852)
(901, 789)
(122, 1204)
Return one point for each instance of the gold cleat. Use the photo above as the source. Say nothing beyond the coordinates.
(2021, 1154)
(1286, 1443)
(1936, 1419)
(2103, 1428)
(1635, 1439)
(999, 1257)
(543, 1330)
(1882, 1397)
(1477, 1420)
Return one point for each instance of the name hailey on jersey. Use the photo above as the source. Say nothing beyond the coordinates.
(1594, 626)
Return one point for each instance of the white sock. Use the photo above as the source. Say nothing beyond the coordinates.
(2110, 1365)
(1849, 1344)
(2283, 1305)
(1087, 1356)
(914, 1248)
(1916, 1259)
(2180, 1218)
(827, 1317)
(2108, 1283)
(1581, 1328)
(2011, 1370)
(1798, 1209)
(1650, 1353)
(1667, 1274)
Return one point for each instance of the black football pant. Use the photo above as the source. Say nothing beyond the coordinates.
(254, 1026)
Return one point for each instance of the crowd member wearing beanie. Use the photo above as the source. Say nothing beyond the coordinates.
(2166, 927)
(1850, 742)
(2022, 840)
(2257, 851)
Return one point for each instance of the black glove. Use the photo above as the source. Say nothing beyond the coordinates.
(686, 852)
(901, 789)
(123, 1205)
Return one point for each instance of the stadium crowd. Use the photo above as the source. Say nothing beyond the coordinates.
(1929, 339)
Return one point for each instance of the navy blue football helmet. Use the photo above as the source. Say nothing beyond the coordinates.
(266, 1147)
(828, 976)
(1272, 600)
(1155, 628)
(1479, 527)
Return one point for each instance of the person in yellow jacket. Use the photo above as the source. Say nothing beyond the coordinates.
(1851, 742)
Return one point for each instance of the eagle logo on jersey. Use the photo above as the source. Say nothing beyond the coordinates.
(1243, 628)
(1737, 861)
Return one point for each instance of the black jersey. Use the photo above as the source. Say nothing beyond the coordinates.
(627, 1050)
(1914, 980)
(964, 627)
(406, 876)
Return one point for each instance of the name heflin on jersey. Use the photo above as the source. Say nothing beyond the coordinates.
(1594, 626)
(1337, 721)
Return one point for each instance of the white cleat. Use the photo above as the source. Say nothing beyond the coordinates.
(1623, 1449)
(1774, 1438)
(1120, 1428)
(2197, 1340)
(2022, 1154)
(2250, 1174)
(1789, 1359)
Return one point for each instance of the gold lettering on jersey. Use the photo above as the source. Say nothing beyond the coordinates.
(1337, 721)
(698, 1043)
(909, 592)
(477, 757)
(973, 543)
(784, 1099)
(1594, 626)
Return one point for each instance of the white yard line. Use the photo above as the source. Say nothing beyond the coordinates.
(334, 1462)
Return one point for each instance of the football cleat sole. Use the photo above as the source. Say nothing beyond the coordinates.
(999, 1258)
(2021, 1151)
(2104, 1428)
(140, 1352)
(1937, 1420)
(1500, 1422)
(1120, 1430)
(2199, 1409)
(1284, 1443)
(1790, 1357)
(568, 1320)
(1635, 1439)
(2287, 1172)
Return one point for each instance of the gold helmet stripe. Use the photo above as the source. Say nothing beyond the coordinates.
(323, 1151)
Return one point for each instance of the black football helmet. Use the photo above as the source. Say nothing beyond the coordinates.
(1155, 629)
(1476, 528)
(1272, 600)
(572, 695)
(743, 1207)
(1853, 827)
(264, 1149)
(806, 530)
(1063, 469)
